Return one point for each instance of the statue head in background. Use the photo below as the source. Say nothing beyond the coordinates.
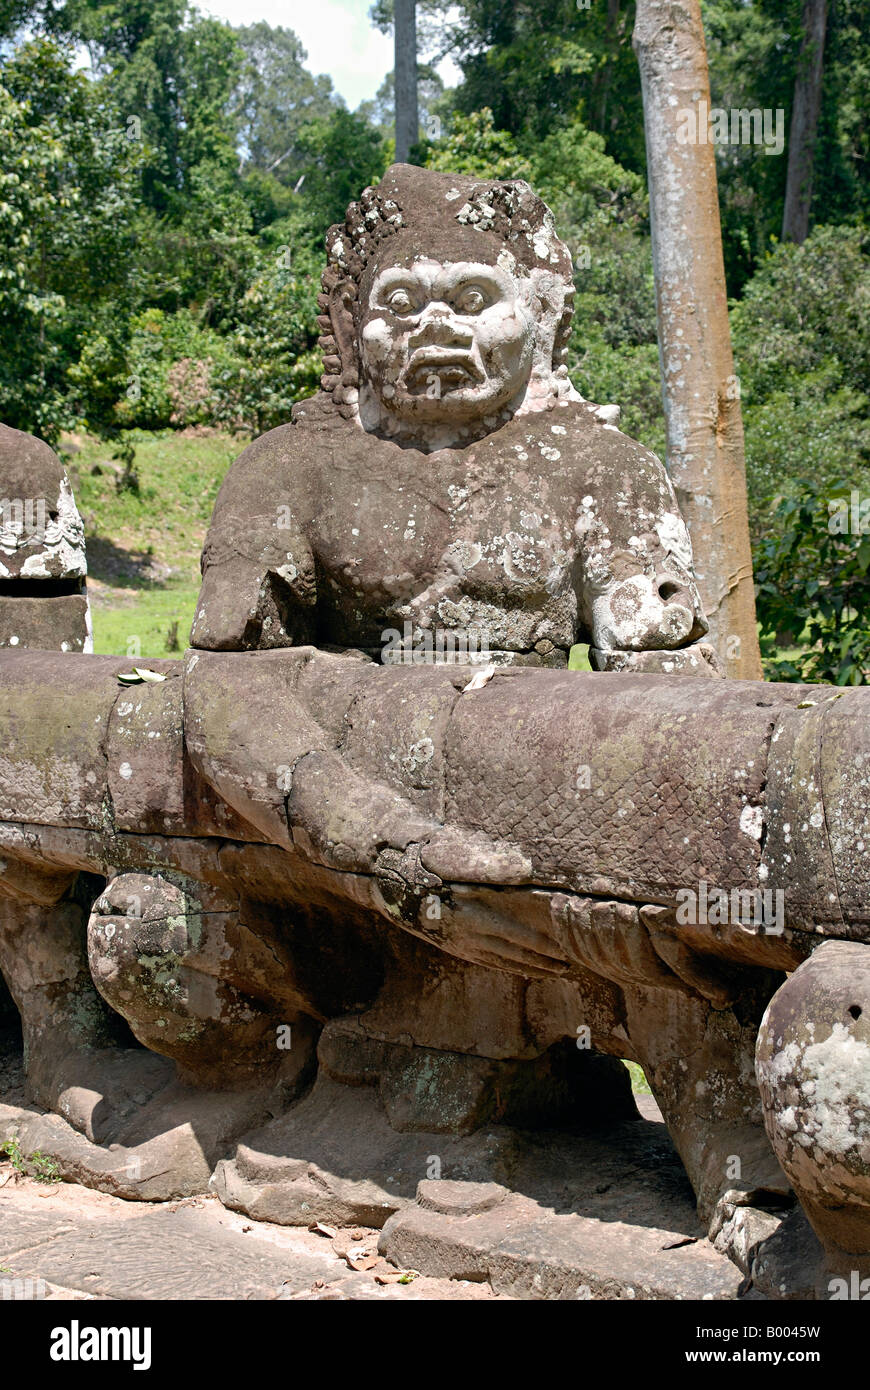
(42, 550)
(447, 306)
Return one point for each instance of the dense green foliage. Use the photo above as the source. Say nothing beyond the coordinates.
(67, 201)
(162, 218)
(811, 573)
(158, 267)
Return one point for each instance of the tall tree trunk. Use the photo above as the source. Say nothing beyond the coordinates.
(705, 451)
(804, 123)
(407, 118)
(602, 79)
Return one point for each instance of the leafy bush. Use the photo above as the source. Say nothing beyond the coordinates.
(808, 427)
(584, 186)
(806, 308)
(66, 203)
(474, 147)
(803, 361)
(274, 360)
(812, 585)
(132, 377)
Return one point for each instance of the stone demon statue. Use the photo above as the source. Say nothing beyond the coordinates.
(295, 875)
(449, 477)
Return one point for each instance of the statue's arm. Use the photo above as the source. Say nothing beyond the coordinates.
(258, 575)
(637, 592)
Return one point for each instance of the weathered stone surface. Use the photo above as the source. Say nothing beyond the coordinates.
(64, 1241)
(790, 1262)
(183, 964)
(700, 659)
(53, 622)
(845, 791)
(160, 1142)
(813, 1064)
(609, 1210)
(459, 1198)
(54, 762)
(529, 1253)
(334, 1157)
(453, 1093)
(146, 762)
(43, 602)
(170, 1255)
(745, 1231)
(42, 535)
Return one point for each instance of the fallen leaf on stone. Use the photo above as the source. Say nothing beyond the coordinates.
(479, 680)
(806, 704)
(319, 1229)
(139, 674)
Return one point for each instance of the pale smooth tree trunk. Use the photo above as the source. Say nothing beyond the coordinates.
(705, 452)
(407, 118)
(804, 123)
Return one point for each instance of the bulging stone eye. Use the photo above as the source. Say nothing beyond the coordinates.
(470, 300)
(400, 302)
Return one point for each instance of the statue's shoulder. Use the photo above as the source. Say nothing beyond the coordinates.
(28, 464)
(591, 426)
(575, 427)
(279, 459)
(592, 437)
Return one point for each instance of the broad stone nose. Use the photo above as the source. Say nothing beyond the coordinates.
(680, 595)
(670, 591)
(439, 326)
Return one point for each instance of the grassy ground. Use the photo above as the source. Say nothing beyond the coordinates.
(144, 546)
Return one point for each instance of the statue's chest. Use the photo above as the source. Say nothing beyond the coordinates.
(486, 548)
(392, 537)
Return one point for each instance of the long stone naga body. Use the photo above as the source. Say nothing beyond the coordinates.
(288, 865)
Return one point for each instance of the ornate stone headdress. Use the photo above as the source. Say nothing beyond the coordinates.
(447, 217)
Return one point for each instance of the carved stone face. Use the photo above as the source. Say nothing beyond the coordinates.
(444, 345)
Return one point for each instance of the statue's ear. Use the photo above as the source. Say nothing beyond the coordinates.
(546, 304)
(341, 300)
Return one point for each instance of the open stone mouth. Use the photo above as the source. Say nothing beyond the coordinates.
(452, 371)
